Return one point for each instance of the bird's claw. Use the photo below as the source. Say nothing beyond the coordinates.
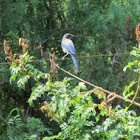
(63, 58)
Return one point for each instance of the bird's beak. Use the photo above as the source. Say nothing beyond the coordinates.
(71, 35)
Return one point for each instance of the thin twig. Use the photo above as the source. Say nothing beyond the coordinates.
(111, 99)
(86, 57)
(80, 57)
(136, 93)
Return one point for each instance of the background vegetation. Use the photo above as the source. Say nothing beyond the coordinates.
(39, 104)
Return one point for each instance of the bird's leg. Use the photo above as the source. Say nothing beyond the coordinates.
(65, 56)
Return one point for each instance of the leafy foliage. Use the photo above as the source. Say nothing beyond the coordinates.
(72, 111)
(18, 128)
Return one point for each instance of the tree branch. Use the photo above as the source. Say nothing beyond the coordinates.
(100, 88)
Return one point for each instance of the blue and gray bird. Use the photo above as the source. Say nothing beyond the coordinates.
(68, 48)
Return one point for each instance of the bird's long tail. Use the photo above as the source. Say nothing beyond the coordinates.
(75, 62)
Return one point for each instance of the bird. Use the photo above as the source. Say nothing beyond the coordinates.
(68, 48)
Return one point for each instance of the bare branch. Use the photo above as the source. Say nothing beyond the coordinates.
(100, 88)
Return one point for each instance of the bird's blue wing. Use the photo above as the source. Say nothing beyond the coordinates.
(68, 45)
(75, 62)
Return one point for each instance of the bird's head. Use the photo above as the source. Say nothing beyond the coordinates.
(68, 36)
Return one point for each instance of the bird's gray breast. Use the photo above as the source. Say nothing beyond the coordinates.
(65, 50)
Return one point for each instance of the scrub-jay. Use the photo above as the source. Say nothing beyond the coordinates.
(68, 48)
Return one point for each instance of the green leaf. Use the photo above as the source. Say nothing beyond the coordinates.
(129, 65)
(13, 78)
(124, 120)
(127, 92)
(22, 81)
(37, 92)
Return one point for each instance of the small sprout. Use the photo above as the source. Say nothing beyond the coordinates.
(103, 105)
(8, 50)
(24, 43)
(24, 55)
(44, 108)
(137, 32)
(21, 66)
(50, 115)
